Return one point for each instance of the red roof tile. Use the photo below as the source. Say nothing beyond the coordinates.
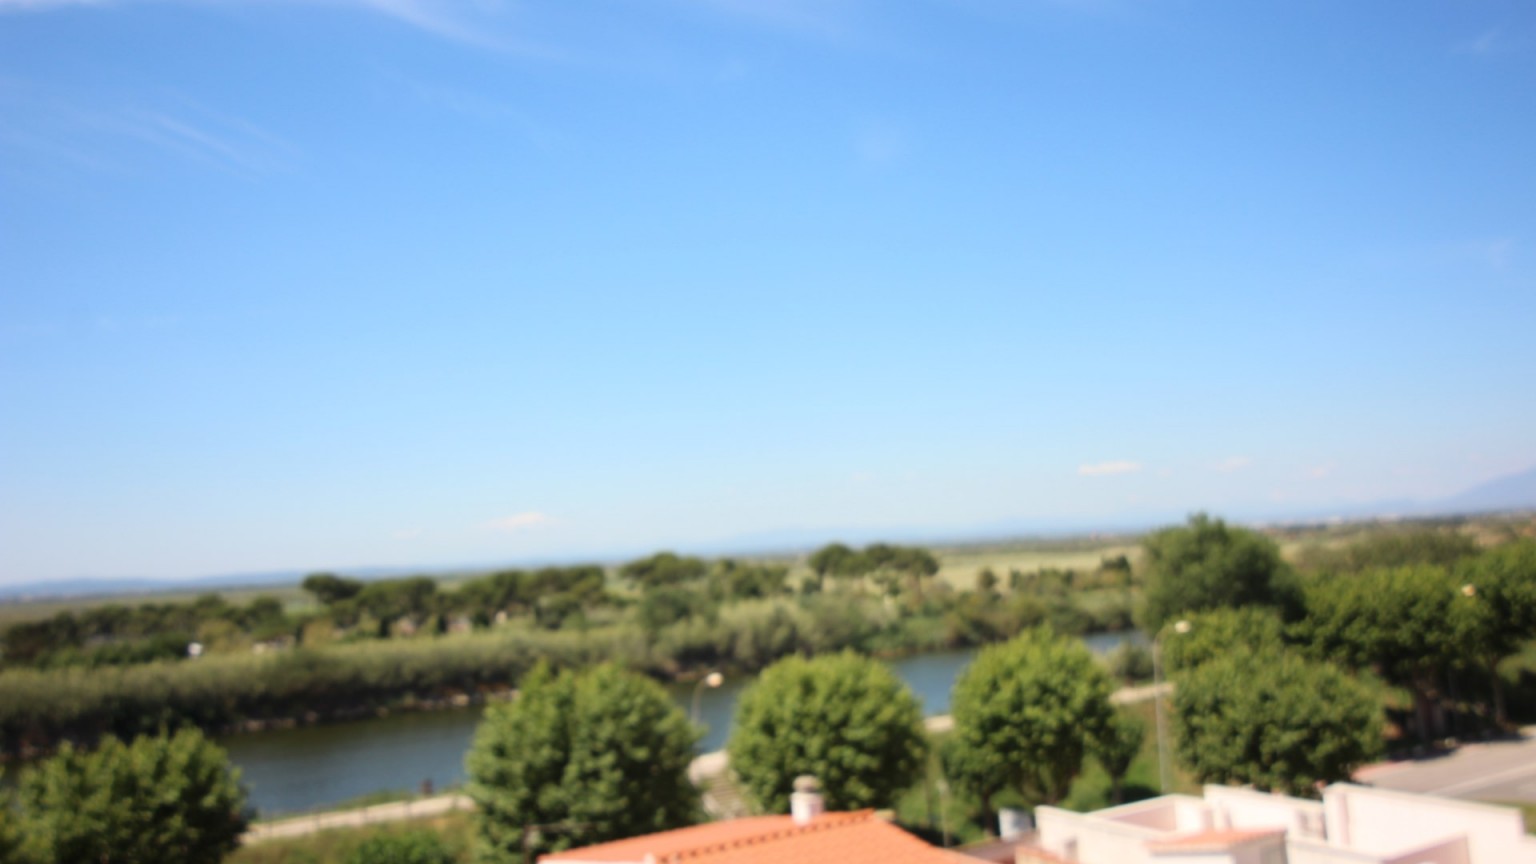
(832, 838)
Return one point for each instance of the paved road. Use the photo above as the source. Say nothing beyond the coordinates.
(1499, 771)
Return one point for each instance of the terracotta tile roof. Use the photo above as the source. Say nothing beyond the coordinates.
(1214, 839)
(832, 838)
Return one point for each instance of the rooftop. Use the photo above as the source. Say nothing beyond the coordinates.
(829, 838)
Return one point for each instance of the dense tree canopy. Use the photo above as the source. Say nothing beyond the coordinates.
(1409, 624)
(329, 588)
(1501, 583)
(1275, 721)
(1216, 633)
(845, 719)
(892, 567)
(591, 756)
(1208, 564)
(158, 800)
(1026, 713)
(664, 568)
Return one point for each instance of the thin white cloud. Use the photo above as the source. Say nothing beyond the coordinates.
(78, 129)
(1233, 463)
(1108, 469)
(520, 522)
(1319, 472)
(482, 23)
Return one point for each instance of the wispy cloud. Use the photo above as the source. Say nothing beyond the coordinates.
(483, 23)
(520, 522)
(820, 18)
(1108, 469)
(79, 131)
(1320, 472)
(1233, 463)
(223, 142)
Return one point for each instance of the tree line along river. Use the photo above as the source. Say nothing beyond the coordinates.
(316, 767)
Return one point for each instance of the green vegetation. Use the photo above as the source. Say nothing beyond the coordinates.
(1211, 635)
(414, 847)
(1026, 714)
(157, 800)
(1410, 624)
(363, 646)
(1207, 564)
(1275, 721)
(844, 719)
(579, 759)
(1116, 748)
(341, 845)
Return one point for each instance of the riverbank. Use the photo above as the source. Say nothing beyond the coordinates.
(230, 693)
(310, 767)
(709, 772)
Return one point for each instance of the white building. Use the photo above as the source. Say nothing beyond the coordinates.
(1351, 825)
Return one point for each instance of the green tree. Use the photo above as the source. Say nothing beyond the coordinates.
(845, 719)
(595, 756)
(1444, 547)
(1410, 624)
(412, 847)
(1026, 712)
(1207, 564)
(158, 800)
(329, 588)
(1217, 633)
(1116, 748)
(1501, 587)
(1276, 721)
(838, 561)
(663, 568)
(10, 825)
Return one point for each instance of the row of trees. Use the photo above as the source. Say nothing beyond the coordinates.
(1421, 610)
(592, 756)
(602, 754)
(118, 634)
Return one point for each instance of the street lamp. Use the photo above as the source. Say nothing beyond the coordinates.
(1180, 627)
(712, 680)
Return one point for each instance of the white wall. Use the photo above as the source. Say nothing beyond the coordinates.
(1392, 823)
(1245, 809)
(1098, 839)
(1449, 852)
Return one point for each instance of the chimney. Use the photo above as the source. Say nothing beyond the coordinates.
(805, 802)
(1013, 823)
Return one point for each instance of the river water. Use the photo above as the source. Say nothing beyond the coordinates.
(294, 770)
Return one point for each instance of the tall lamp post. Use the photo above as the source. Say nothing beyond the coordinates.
(712, 680)
(1180, 626)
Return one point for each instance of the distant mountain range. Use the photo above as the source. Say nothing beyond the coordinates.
(1512, 492)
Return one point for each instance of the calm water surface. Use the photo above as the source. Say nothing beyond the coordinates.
(294, 770)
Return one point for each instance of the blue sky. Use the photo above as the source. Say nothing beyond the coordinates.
(309, 284)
